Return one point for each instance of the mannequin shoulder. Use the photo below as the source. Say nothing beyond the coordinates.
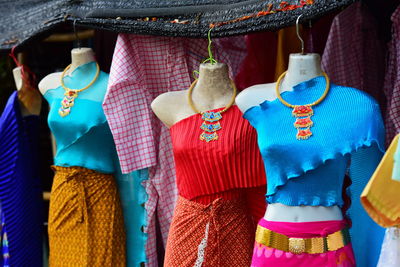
(51, 81)
(167, 105)
(255, 95)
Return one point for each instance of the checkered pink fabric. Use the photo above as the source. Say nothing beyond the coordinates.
(354, 56)
(392, 81)
(144, 67)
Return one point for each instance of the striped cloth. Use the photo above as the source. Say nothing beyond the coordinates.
(20, 191)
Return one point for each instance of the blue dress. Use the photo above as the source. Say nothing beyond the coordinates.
(20, 187)
(347, 138)
(84, 139)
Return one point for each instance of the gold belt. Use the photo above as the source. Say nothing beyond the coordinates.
(312, 245)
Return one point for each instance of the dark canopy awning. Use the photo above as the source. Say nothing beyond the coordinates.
(25, 20)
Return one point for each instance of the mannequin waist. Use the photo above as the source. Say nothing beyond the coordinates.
(283, 213)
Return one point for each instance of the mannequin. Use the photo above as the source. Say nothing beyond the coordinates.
(218, 178)
(17, 77)
(79, 56)
(308, 148)
(84, 171)
(301, 68)
(172, 107)
(29, 98)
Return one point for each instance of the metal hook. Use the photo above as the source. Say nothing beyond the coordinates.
(76, 35)
(298, 34)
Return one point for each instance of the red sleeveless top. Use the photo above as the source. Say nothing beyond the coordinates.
(217, 168)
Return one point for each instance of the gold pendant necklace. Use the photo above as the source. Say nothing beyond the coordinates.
(71, 94)
(211, 119)
(302, 113)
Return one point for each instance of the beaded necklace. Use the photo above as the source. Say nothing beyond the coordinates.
(71, 94)
(211, 123)
(302, 113)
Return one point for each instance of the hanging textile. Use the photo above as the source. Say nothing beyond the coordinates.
(144, 67)
(392, 81)
(20, 190)
(133, 197)
(396, 164)
(258, 66)
(354, 54)
(381, 196)
(5, 253)
(317, 34)
(390, 253)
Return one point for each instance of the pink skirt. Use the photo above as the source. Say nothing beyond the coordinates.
(264, 256)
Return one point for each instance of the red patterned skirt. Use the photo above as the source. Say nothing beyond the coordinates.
(218, 234)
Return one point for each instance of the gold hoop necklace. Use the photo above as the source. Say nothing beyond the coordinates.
(211, 123)
(71, 94)
(302, 113)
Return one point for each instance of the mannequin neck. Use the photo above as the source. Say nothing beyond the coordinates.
(301, 68)
(80, 56)
(18, 77)
(213, 82)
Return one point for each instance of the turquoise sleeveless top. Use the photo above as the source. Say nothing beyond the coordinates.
(83, 137)
(311, 171)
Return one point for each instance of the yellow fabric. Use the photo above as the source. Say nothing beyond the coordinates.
(85, 220)
(381, 196)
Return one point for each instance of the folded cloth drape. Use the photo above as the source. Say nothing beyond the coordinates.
(381, 196)
(218, 234)
(85, 219)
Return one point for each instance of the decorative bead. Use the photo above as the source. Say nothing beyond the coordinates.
(208, 137)
(302, 111)
(303, 134)
(71, 94)
(303, 123)
(210, 127)
(64, 111)
(211, 116)
(67, 102)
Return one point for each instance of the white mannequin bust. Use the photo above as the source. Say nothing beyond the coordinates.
(79, 56)
(29, 99)
(17, 77)
(212, 90)
(301, 68)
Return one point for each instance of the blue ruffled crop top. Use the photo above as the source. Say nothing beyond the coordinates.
(311, 171)
(83, 137)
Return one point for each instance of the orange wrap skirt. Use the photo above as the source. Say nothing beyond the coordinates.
(215, 235)
(86, 226)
